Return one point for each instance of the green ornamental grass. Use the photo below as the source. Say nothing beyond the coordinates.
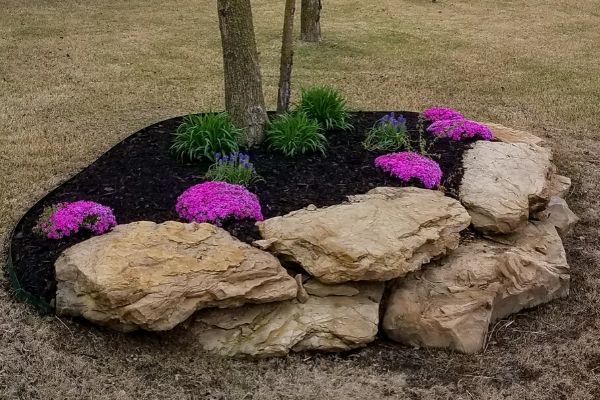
(202, 135)
(326, 105)
(295, 133)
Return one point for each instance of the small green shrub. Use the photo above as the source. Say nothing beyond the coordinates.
(326, 105)
(295, 133)
(388, 134)
(234, 168)
(201, 136)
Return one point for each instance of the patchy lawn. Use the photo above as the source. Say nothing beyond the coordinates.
(78, 76)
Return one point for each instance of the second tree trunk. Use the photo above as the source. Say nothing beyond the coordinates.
(310, 21)
(287, 57)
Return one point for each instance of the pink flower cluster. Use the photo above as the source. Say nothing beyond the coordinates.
(460, 129)
(407, 165)
(64, 219)
(216, 201)
(441, 113)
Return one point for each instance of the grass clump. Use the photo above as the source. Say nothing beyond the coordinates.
(203, 135)
(234, 168)
(327, 106)
(295, 133)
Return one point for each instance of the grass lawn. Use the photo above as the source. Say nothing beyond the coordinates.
(78, 76)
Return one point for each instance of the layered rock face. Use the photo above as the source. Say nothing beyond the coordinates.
(154, 276)
(503, 183)
(510, 135)
(558, 213)
(332, 318)
(378, 236)
(452, 301)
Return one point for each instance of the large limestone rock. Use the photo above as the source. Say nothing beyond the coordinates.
(333, 318)
(558, 213)
(560, 186)
(378, 236)
(154, 276)
(503, 183)
(510, 135)
(452, 302)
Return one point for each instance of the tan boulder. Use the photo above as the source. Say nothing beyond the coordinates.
(560, 186)
(510, 135)
(452, 302)
(503, 183)
(154, 276)
(331, 323)
(558, 213)
(377, 236)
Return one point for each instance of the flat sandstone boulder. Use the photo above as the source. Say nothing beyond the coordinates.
(558, 213)
(452, 302)
(510, 135)
(503, 183)
(154, 276)
(378, 236)
(331, 319)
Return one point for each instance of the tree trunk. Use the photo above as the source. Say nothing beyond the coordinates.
(287, 57)
(244, 99)
(310, 21)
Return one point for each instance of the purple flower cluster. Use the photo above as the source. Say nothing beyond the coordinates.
(441, 113)
(407, 165)
(460, 129)
(390, 119)
(216, 201)
(64, 219)
(236, 158)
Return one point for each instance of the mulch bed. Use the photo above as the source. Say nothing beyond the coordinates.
(141, 180)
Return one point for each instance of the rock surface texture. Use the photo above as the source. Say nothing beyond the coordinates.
(154, 276)
(560, 186)
(378, 236)
(503, 183)
(333, 318)
(558, 213)
(452, 301)
(510, 135)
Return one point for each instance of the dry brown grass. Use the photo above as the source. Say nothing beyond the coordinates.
(77, 76)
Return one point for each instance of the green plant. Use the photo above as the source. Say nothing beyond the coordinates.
(425, 147)
(326, 105)
(295, 133)
(388, 134)
(202, 135)
(234, 168)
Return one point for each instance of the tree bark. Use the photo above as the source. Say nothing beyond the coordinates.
(244, 98)
(287, 57)
(310, 21)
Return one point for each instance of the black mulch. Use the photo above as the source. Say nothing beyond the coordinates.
(140, 179)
